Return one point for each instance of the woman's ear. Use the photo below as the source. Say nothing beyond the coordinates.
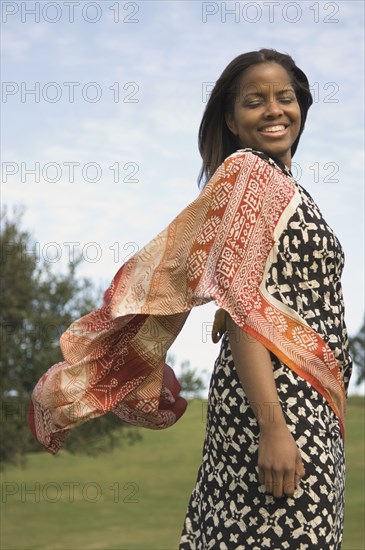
(230, 123)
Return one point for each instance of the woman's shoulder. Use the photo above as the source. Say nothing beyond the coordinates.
(235, 161)
(249, 158)
(252, 156)
(247, 162)
(242, 154)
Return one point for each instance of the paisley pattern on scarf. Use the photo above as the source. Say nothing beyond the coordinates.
(225, 246)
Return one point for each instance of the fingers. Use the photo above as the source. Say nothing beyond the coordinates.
(293, 477)
(277, 484)
(297, 479)
(299, 469)
(273, 482)
(289, 485)
(219, 325)
(280, 465)
(261, 476)
(281, 484)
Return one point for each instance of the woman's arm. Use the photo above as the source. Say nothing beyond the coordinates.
(279, 461)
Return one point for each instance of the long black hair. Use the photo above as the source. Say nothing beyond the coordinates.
(216, 141)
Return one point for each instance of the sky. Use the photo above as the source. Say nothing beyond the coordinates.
(101, 105)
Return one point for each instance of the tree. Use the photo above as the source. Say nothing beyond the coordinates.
(357, 350)
(192, 385)
(36, 306)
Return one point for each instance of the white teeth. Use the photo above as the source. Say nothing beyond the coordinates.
(274, 128)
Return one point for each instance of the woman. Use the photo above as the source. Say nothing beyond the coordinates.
(272, 473)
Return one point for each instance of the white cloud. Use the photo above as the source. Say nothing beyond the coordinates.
(169, 54)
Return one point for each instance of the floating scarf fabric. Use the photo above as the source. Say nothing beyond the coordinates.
(221, 247)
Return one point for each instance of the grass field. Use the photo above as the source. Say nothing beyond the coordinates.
(135, 497)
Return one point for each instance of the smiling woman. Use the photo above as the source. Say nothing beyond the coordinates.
(272, 472)
(254, 241)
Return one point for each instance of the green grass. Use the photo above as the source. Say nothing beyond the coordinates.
(354, 536)
(135, 497)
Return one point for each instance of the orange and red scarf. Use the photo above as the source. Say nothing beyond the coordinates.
(219, 248)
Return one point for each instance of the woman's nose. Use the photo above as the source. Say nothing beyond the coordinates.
(273, 109)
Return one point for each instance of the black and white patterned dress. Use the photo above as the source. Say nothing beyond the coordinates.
(229, 509)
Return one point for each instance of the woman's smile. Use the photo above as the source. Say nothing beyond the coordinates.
(274, 131)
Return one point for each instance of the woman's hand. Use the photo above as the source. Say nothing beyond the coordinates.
(219, 325)
(279, 461)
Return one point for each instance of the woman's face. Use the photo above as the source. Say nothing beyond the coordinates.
(266, 114)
